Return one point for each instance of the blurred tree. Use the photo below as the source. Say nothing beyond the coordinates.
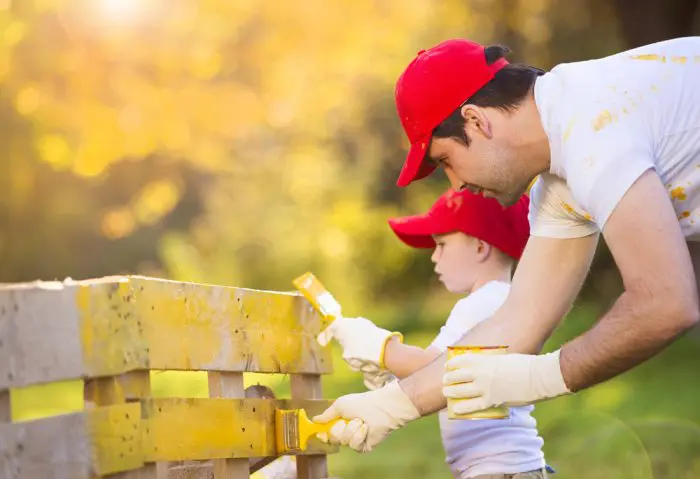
(650, 21)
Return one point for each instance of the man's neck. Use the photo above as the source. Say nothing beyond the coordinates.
(529, 136)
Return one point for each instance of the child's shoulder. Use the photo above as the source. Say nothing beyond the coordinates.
(491, 293)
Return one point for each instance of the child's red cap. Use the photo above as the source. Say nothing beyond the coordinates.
(505, 228)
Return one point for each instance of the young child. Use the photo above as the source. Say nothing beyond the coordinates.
(477, 243)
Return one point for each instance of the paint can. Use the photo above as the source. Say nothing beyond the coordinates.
(501, 412)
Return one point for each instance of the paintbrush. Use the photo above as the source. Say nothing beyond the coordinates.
(293, 428)
(319, 297)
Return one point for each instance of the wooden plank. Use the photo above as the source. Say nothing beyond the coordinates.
(53, 331)
(312, 466)
(216, 328)
(72, 330)
(6, 340)
(178, 429)
(128, 387)
(73, 446)
(228, 385)
(127, 390)
(5, 410)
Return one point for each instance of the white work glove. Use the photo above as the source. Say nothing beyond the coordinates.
(379, 379)
(362, 341)
(486, 381)
(371, 417)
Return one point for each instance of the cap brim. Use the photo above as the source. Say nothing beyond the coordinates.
(416, 231)
(416, 167)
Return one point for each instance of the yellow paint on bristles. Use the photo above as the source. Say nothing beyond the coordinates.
(293, 428)
(319, 297)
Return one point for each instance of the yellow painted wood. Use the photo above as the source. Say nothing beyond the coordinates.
(79, 446)
(179, 429)
(215, 328)
(115, 433)
(57, 331)
(112, 336)
(228, 385)
(118, 389)
(313, 465)
(64, 331)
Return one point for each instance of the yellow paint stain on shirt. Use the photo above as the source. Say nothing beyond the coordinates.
(678, 193)
(604, 119)
(624, 110)
(569, 127)
(650, 57)
(683, 215)
(680, 60)
(654, 88)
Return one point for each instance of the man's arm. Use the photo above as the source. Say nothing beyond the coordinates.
(660, 301)
(403, 359)
(546, 282)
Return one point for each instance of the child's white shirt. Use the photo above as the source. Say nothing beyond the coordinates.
(486, 446)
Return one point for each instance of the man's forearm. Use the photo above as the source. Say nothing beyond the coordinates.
(635, 329)
(424, 387)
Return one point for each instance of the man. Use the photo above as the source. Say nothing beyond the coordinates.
(616, 145)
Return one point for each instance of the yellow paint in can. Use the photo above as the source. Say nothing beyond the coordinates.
(502, 412)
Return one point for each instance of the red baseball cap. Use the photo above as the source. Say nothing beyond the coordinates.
(505, 228)
(434, 85)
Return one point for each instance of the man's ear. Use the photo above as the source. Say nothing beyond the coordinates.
(476, 122)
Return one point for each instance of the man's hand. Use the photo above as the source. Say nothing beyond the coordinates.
(372, 417)
(485, 381)
(362, 341)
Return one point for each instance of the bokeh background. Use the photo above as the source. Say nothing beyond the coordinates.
(243, 142)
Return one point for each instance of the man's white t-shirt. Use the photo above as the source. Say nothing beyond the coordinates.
(488, 446)
(608, 121)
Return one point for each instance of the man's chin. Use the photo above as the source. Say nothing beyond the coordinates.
(507, 201)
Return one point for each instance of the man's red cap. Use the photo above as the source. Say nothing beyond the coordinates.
(505, 228)
(436, 83)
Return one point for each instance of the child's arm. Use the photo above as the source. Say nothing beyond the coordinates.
(403, 359)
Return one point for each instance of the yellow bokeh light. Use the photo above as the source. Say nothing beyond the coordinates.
(118, 223)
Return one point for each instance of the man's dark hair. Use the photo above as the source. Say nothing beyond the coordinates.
(505, 91)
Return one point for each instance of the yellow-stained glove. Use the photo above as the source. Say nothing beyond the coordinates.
(485, 381)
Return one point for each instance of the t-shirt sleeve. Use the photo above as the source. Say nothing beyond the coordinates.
(447, 337)
(605, 153)
(554, 213)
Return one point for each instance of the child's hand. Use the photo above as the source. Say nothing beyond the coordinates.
(362, 341)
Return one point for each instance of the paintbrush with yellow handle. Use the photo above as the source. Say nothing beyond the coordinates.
(319, 297)
(293, 428)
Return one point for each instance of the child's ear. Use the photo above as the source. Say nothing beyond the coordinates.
(483, 249)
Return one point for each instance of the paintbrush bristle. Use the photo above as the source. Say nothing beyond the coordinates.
(287, 431)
